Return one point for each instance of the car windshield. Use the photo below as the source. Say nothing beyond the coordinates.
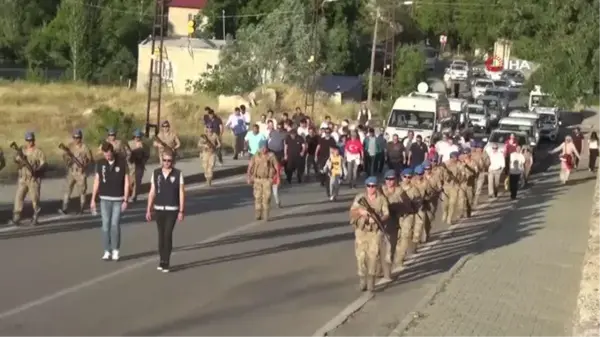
(497, 93)
(458, 67)
(500, 83)
(547, 119)
(541, 100)
(517, 75)
(491, 104)
(521, 128)
(502, 137)
(412, 119)
(484, 84)
(475, 111)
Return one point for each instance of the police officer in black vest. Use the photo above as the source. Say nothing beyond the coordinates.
(167, 200)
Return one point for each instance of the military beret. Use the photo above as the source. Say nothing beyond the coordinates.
(77, 133)
(426, 165)
(371, 180)
(466, 150)
(165, 124)
(454, 154)
(419, 170)
(29, 136)
(407, 172)
(390, 174)
(112, 132)
(138, 133)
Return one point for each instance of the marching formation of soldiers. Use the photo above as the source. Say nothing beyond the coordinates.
(79, 159)
(390, 220)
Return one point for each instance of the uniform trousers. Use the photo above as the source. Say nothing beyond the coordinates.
(165, 222)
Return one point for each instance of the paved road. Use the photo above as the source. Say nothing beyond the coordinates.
(53, 188)
(231, 276)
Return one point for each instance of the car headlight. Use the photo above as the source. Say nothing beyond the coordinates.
(532, 143)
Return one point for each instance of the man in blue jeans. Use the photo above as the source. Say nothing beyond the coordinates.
(111, 184)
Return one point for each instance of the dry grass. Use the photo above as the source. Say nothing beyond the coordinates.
(52, 111)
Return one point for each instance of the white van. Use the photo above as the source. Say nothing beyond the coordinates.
(479, 117)
(419, 112)
(458, 107)
(521, 125)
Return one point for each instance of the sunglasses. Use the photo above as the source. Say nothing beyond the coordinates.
(167, 160)
(390, 178)
(371, 186)
(407, 177)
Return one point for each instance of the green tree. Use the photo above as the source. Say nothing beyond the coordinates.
(410, 70)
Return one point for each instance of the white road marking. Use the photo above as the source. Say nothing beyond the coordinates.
(81, 286)
(357, 304)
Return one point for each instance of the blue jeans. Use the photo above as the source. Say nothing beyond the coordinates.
(111, 224)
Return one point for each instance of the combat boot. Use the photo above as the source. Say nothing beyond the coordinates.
(80, 210)
(16, 220)
(371, 283)
(257, 215)
(34, 220)
(362, 283)
(63, 210)
(209, 181)
(265, 215)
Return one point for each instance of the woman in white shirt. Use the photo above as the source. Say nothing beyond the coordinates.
(515, 170)
(593, 148)
(568, 152)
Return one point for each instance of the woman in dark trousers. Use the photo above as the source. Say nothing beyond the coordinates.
(167, 199)
(593, 148)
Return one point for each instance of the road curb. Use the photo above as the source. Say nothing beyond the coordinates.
(586, 320)
(416, 314)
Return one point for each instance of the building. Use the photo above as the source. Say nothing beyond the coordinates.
(184, 60)
(181, 12)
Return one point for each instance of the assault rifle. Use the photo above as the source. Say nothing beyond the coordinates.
(163, 144)
(373, 215)
(70, 154)
(212, 146)
(22, 158)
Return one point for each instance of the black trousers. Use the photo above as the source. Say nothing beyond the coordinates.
(513, 185)
(165, 222)
(374, 164)
(295, 164)
(593, 158)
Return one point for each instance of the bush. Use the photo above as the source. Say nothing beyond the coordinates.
(105, 118)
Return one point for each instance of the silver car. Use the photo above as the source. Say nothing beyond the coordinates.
(502, 95)
(479, 87)
(515, 78)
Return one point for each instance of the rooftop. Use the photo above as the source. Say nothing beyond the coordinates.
(197, 4)
(185, 42)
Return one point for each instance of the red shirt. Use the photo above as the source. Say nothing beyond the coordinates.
(353, 146)
(510, 147)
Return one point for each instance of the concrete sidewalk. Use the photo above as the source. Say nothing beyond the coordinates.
(53, 188)
(524, 280)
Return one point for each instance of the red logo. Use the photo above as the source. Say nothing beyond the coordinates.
(489, 64)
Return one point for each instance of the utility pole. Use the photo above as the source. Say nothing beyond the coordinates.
(373, 53)
(159, 30)
(223, 16)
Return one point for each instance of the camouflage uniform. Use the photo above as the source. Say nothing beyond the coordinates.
(528, 163)
(452, 178)
(467, 188)
(76, 175)
(434, 182)
(411, 198)
(171, 140)
(483, 163)
(394, 199)
(29, 183)
(368, 239)
(423, 219)
(262, 170)
(208, 154)
(138, 154)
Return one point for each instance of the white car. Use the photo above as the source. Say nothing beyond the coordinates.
(458, 72)
(479, 117)
(480, 86)
(501, 84)
(460, 63)
(498, 137)
(548, 123)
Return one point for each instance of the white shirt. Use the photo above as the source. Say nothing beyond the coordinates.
(302, 131)
(324, 124)
(593, 145)
(247, 116)
(517, 163)
(497, 161)
(262, 128)
(336, 136)
(362, 136)
(449, 148)
(232, 121)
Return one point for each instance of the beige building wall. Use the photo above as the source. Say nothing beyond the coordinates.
(180, 63)
(179, 17)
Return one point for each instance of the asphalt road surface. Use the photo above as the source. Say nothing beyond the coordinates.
(230, 275)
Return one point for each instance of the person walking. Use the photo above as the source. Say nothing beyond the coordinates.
(516, 169)
(495, 169)
(593, 150)
(167, 200)
(111, 185)
(353, 152)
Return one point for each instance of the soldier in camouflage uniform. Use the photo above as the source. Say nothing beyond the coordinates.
(138, 154)
(367, 234)
(422, 221)
(527, 153)
(170, 139)
(482, 161)
(209, 145)
(435, 186)
(393, 195)
(118, 146)
(76, 174)
(261, 172)
(29, 182)
(452, 180)
(411, 198)
(467, 188)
